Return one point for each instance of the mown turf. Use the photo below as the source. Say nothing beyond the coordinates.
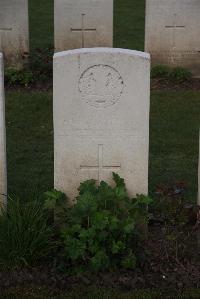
(174, 125)
(129, 20)
(41, 25)
(29, 142)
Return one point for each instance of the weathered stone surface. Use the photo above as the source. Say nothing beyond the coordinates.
(83, 24)
(172, 33)
(3, 180)
(14, 31)
(101, 117)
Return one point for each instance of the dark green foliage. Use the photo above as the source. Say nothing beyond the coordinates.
(104, 227)
(179, 75)
(54, 199)
(160, 71)
(55, 203)
(41, 63)
(19, 77)
(175, 75)
(24, 233)
(39, 69)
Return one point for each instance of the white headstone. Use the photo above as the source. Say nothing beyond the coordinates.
(3, 181)
(101, 118)
(172, 33)
(83, 24)
(14, 32)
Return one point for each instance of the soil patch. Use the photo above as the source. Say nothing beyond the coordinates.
(165, 263)
(163, 84)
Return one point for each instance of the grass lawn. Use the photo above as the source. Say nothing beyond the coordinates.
(29, 142)
(174, 127)
(41, 23)
(173, 140)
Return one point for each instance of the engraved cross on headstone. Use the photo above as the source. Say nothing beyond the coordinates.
(101, 166)
(83, 30)
(174, 26)
(5, 29)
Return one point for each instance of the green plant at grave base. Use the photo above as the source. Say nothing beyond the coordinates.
(160, 71)
(179, 75)
(104, 227)
(175, 75)
(39, 69)
(41, 63)
(24, 233)
(55, 203)
(19, 77)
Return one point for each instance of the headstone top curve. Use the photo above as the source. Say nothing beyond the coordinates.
(103, 50)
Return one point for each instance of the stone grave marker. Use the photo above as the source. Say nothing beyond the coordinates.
(172, 33)
(101, 118)
(83, 24)
(3, 181)
(14, 32)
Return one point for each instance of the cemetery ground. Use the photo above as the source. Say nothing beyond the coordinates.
(168, 264)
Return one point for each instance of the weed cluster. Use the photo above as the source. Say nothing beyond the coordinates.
(39, 69)
(175, 75)
(102, 231)
(24, 233)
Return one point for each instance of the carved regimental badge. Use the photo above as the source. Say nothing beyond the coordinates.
(101, 86)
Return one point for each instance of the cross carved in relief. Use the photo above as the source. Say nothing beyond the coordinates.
(83, 29)
(100, 167)
(174, 26)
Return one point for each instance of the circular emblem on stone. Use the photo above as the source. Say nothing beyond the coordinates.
(101, 86)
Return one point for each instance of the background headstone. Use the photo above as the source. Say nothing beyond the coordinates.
(172, 33)
(14, 31)
(3, 180)
(83, 24)
(101, 117)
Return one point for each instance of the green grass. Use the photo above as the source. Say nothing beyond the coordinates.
(41, 23)
(128, 23)
(129, 20)
(174, 123)
(29, 141)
